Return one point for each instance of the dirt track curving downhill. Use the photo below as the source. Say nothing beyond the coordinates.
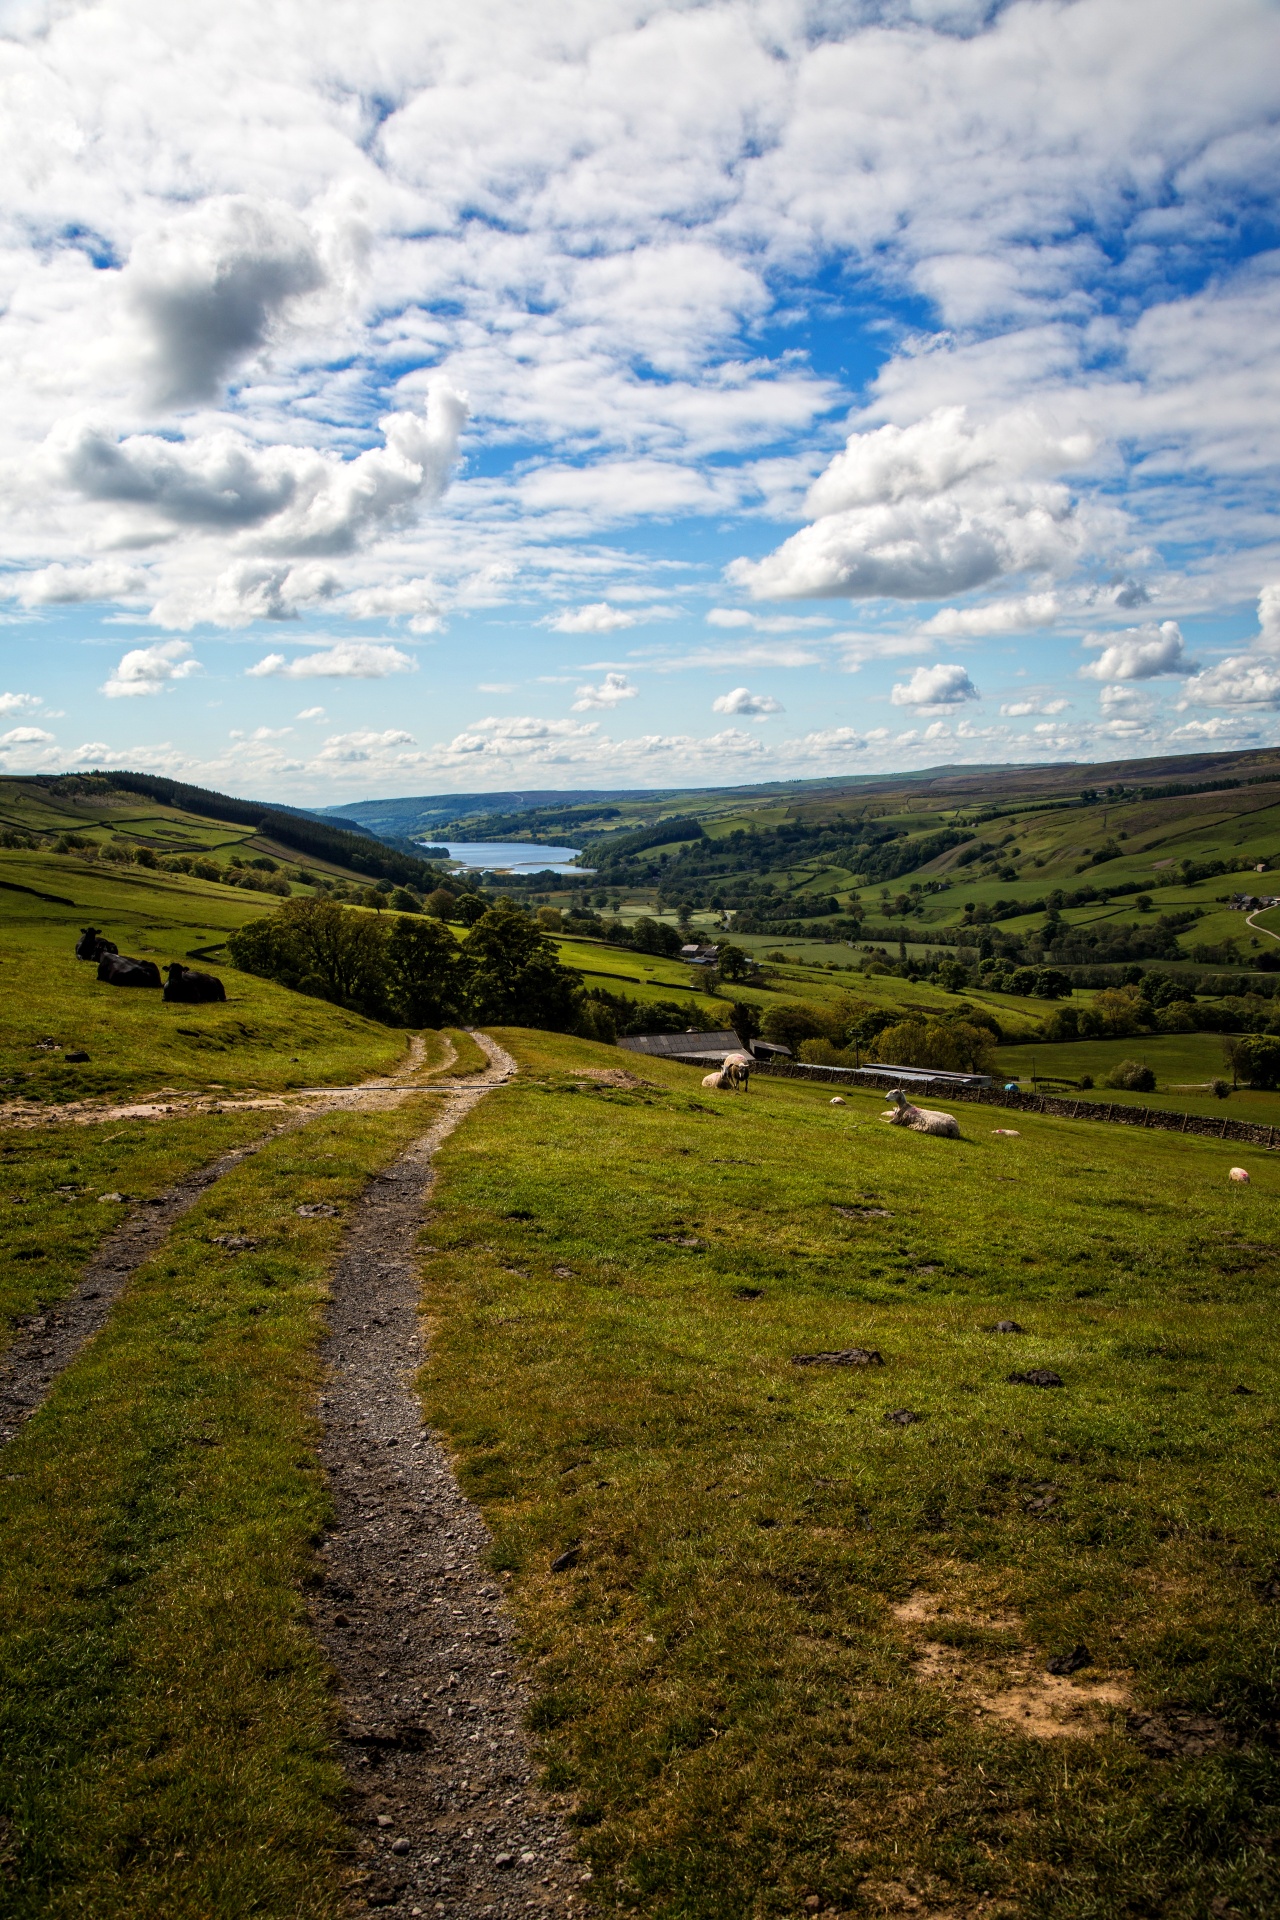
(447, 1818)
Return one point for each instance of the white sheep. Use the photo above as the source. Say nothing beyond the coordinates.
(1238, 1173)
(919, 1119)
(838, 1100)
(719, 1080)
(738, 1067)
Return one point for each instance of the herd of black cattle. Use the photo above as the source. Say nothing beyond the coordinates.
(183, 983)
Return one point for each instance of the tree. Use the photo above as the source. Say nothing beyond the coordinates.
(427, 978)
(744, 1019)
(441, 903)
(320, 948)
(403, 901)
(372, 898)
(735, 963)
(1255, 1058)
(550, 919)
(471, 907)
(516, 978)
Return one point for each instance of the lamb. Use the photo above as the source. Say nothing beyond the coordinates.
(920, 1119)
(719, 1080)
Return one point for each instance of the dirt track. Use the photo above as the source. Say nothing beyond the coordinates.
(447, 1818)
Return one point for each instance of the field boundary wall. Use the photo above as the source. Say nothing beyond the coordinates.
(1163, 1119)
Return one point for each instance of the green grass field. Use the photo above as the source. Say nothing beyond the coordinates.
(262, 1037)
(723, 1683)
(164, 1707)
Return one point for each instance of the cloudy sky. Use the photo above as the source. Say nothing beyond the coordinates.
(411, 397)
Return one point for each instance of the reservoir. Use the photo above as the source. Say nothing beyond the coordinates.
(511, 856)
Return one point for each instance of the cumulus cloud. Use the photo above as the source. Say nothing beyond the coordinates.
(940, 686)
(1139, 653)
(207, 288)
(1020, 615)
(1241, 680)
(939, 507)
(63, 586)
(361, 748)
(1020, 709)
(25, 737)
(754, 706)
(282, 499)
(312, 713)
(597, 618)
(612, 691)
(19, 702)
(146, 670)
(348, 660)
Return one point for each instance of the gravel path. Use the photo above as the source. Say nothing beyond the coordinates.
(447, 1819)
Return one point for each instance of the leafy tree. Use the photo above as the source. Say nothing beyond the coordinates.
(320, 948)
(1255, 1058)
(470, 909)
(1134, 1077)
(735, 963)
(427, 977)
(744, 1019)
(441, 903)
(403, 901)
(516, 978)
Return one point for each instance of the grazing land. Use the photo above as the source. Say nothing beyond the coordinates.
(787, 1628)
(800, 1649)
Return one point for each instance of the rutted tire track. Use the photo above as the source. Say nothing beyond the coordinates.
(51, 1340)
(446, 1816)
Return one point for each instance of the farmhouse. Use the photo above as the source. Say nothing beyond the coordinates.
(700, 956)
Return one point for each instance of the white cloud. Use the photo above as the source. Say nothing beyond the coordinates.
(19, 702)
(1241, 680)
(1139, 653)
(750, 705)
(598, 618)
(347, 660)
(940, 686)
(146, 670)
(939, 507)
(208, 287)
(1019, 709)
(729, 617)
(612, 691)
(312, 713)
(281, 499)
(63, 586)
(1022, 615)
(25, 737)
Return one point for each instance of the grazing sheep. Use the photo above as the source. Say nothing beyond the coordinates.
(738, 1067)
(719, 1080)
(919, 1119)
(1238, 1173)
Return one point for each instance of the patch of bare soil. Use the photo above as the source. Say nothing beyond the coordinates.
(169, 1100)
(610, 1076)
(446, 1816)
(997, 1675)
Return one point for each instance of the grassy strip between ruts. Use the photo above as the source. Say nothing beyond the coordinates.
(52, 1218)
(722, 1681)
(164, 1734)
(472, 1057)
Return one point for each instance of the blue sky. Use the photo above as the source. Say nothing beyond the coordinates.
(624, 394)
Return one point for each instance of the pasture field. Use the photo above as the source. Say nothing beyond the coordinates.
(164, 1707)
(799, 1651)
(52, 1219)
(1183, 1064)
(263, 1036)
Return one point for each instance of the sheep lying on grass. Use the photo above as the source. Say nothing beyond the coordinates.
(719, 1080)
(919, 1119)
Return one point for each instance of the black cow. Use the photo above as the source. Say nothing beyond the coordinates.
(118, 971)
(92, 945)
(184, 983)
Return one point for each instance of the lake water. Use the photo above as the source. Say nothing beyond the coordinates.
(516, 856)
